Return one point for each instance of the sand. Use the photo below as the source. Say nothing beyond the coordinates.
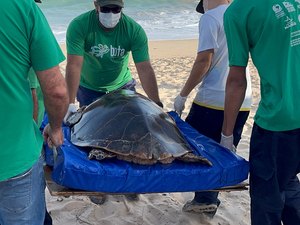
(172, 62)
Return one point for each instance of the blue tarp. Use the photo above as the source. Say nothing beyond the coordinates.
(73, 169)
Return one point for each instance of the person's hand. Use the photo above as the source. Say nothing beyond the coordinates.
(179, 103)
(54, 138)
(227, 142)
(71, 110)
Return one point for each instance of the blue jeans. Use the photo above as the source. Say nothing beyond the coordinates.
(22, 200)
(86, 96)
(209, 123)
(274, 185)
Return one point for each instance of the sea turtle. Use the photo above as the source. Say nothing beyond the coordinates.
(131, 127)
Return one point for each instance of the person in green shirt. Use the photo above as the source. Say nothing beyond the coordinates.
(26, 41)
(270, 32)
(98, 46)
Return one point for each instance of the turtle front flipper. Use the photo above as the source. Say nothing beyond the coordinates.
(75, 117)
(100, 154)
(190, 157)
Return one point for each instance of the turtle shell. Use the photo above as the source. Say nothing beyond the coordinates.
(132, 127)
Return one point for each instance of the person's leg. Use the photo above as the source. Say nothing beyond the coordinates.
(206, 121)
(23, 197)
(274, 159)
(266, 199)
(291, 211)
(209, 123)
(208, 196)
(206, 202)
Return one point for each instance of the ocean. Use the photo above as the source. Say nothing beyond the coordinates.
(161, 19)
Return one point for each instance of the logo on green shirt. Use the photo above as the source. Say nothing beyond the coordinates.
(101, 50)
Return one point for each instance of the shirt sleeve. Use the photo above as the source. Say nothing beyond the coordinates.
(236, 35)
(208, 33)
(75, 38)
(45, 52)
(139, 50)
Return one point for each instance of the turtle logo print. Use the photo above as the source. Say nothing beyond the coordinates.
(114, 52)
(99, 50)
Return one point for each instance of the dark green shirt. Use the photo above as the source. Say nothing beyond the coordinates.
(270, 31)
(26, 41)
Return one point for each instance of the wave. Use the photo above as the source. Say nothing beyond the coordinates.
(161, 19)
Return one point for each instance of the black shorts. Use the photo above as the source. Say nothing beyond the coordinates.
(209, 122)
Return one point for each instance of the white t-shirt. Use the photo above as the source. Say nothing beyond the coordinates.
(211, 91)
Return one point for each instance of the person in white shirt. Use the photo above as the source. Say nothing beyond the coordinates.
(210, 70)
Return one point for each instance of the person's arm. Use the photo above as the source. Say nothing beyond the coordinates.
(35, 104)
(234, 96)
(56, 101)
(201, 66)
(148, 80)
(73, 71)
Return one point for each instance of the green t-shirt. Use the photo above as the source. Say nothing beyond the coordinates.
(34, 84)
(270, 31)
(26, 41)
(106, 54)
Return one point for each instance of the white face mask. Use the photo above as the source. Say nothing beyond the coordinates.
(109, 20)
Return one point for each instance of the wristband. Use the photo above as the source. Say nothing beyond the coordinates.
(226, 137)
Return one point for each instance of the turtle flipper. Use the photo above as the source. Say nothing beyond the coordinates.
(100, 154)
(75, 117)
(190, 157)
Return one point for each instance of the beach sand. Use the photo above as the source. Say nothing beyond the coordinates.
(172, 62)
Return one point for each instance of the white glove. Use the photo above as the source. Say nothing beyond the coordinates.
(179, 103)
(71, 110)
(227, 142)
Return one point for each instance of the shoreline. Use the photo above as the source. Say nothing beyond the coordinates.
(173, 48)
(165, 49)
